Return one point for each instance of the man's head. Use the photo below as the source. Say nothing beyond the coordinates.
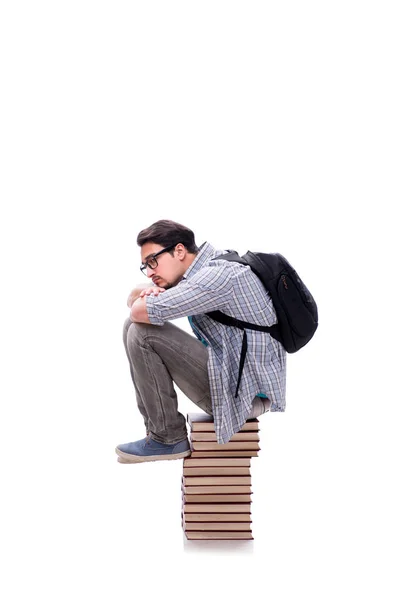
(167, 250)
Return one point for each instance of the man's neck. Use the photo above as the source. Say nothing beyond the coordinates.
(189, 258)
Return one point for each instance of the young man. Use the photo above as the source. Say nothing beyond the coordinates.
(187, 282)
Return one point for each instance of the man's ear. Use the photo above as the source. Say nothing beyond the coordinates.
(181, 251)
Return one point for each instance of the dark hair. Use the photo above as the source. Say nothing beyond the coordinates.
(166, 233)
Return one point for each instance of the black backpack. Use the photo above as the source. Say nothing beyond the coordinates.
(295, 307)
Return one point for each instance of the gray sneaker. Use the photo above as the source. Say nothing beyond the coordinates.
(148, 449)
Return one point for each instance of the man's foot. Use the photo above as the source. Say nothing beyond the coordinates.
(148, 449)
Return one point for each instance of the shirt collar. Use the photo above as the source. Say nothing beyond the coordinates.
(205, 253)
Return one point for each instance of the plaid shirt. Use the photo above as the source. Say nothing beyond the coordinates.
(234, 289)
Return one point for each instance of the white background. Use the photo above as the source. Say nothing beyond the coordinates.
(269, 126)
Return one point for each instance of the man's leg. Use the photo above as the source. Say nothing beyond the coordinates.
(158, 357)
(139, 400)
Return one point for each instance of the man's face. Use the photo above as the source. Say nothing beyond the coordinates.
(169, 269)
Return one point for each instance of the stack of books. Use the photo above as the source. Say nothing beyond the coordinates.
(216, 482)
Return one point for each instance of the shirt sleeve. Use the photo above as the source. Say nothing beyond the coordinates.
(209, 289)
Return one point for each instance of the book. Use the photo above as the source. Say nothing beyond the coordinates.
(217, 508)
(219, 535)
(216, 462)
(223, 480)
(204, 422)
(199, 498)
(216, 471)
(246, 436)
(216, 481)
(217, 526)
(226, 453)
(217, 489)
(235, 446)
(216, 517)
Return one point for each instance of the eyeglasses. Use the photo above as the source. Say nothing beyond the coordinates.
(152, 260)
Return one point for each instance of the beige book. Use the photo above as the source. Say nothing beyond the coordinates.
(217, 526)
(219, 535)
(246, 436)
(225, 447)
(217, 489)
(216, 462)
(226, 453)
(200, 498)
(204, 422)
(201, 471)
(217, 517)
(239, 480)
(217, 508)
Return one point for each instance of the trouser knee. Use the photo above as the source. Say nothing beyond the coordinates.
(125, 329)
(130, 326)
(134, 333)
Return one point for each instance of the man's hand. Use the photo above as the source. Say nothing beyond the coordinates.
(154, 290)
(143, 290)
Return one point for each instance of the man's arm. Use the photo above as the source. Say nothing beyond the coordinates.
(140, 290)
(211, 289)
(139, 311)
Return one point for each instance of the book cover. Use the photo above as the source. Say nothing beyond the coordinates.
(217, 526)
(245, 436)
(193, 471)
(216, 462)
(223, 480)
(200, 498)
(226, 453)
(217, 489)
(216, 508)
(219, 535)
(228, 446)
(217, 517)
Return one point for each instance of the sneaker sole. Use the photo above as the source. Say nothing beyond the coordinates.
(125, 458)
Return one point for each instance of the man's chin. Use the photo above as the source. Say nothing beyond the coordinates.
(162, 284)
(167, 285)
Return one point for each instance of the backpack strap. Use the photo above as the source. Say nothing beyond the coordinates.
(220, 317)
(243, 353)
